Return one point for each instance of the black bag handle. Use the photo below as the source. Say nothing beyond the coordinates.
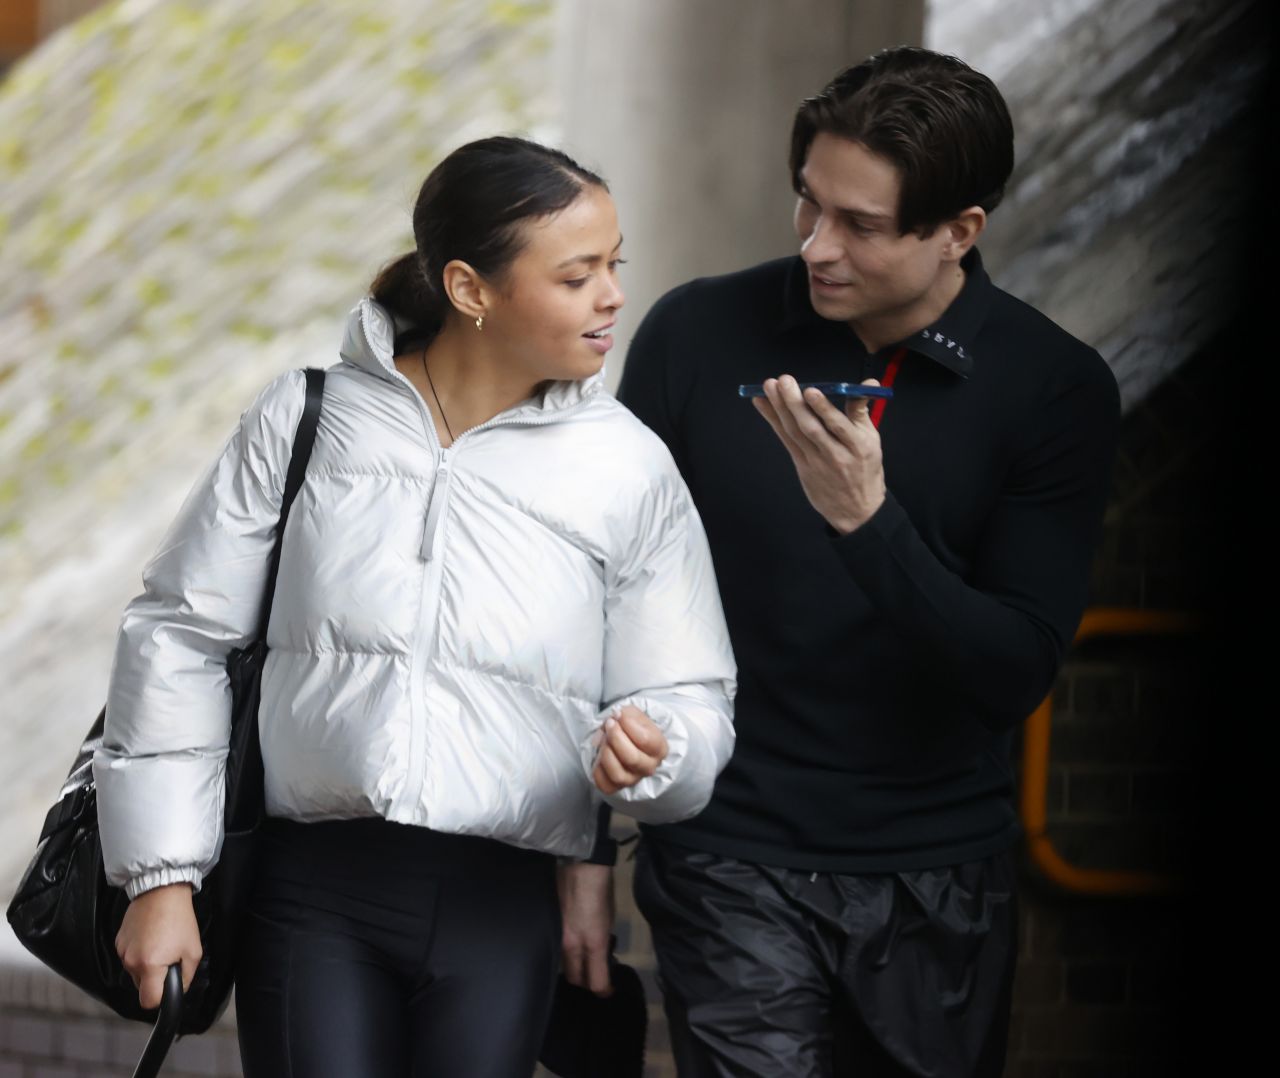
(303, 439)
(166, 1025)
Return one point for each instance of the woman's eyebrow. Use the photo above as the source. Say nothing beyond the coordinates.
(589, 260)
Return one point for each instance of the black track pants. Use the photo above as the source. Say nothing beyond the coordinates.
(377, 950)
(769, 972)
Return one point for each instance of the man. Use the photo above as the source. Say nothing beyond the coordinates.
(901, 582)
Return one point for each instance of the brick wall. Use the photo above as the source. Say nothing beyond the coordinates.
(1116, 986)
(50, 1030)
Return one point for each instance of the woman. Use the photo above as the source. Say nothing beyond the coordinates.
(495, 609)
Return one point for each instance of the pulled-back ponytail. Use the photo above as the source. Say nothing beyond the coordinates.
(470, 208)
(401, 287)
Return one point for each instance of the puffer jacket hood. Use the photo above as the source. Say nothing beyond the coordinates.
(449, 631)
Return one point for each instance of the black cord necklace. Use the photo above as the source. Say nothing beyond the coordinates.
(436, 395)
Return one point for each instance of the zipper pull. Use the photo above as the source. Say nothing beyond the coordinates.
(433, 508)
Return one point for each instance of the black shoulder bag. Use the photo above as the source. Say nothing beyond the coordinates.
(65, 912)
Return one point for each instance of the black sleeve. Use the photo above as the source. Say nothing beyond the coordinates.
(605, 849)
(646, 387)
(999, 636)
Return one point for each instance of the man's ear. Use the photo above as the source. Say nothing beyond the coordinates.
(962, 232)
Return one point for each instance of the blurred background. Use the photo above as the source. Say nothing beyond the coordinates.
(192, 195)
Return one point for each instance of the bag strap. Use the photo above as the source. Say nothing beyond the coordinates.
(303, 439)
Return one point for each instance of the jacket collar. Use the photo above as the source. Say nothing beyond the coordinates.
(948, 341)
(369, 343)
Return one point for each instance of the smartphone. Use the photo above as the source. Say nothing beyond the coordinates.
(828, 389)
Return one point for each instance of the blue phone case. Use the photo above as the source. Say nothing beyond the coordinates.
(829, 389)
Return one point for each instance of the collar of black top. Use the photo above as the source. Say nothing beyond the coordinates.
(948, 341)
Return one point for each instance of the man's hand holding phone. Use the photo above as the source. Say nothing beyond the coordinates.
(836, 453)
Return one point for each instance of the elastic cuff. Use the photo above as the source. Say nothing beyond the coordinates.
(162, 877)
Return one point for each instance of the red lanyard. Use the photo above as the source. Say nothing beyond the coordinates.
(890, 373)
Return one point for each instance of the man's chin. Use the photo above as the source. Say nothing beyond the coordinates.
(832, 309)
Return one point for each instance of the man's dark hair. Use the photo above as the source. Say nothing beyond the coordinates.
(943, 125)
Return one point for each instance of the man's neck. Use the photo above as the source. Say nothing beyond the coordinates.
(890, 327)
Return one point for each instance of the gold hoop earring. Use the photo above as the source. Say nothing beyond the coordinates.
(480, 322)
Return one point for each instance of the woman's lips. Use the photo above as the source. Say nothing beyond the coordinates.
(602, 341)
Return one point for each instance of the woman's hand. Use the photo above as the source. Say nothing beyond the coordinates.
(586, 910)
(159, 929)
(631, 749)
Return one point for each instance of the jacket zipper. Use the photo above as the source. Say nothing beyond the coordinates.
(409, 805)
(404, 809)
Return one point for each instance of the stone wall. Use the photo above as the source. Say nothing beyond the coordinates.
(194, 197)
(1138, 134)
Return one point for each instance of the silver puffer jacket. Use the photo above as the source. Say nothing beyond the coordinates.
(450, 627)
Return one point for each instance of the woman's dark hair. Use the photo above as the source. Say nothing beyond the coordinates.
(470, 208)
(943, 125)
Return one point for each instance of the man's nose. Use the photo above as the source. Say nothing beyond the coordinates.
(820, 246)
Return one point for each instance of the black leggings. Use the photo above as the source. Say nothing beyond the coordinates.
(378, 950)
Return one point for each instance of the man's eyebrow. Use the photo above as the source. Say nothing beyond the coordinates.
(588, 260)
(865, 215)
(802, 189)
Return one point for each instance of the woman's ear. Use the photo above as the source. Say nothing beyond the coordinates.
(466, 290)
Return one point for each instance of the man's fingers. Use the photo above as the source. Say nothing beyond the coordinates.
(836, 422)
(858, 409)
(796, 441)
(783, 394)
(809, 428)
(765, 407)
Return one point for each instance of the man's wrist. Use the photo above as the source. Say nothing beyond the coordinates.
(846, 524)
